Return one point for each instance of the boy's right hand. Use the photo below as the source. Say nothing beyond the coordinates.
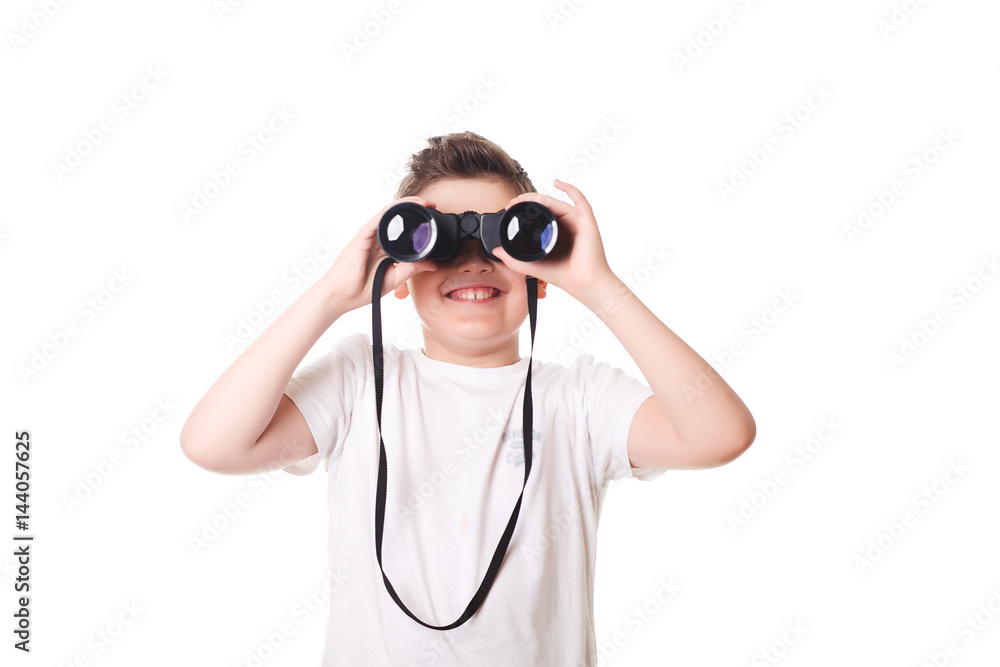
(349, 280)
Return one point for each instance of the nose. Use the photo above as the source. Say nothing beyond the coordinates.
(472, 256)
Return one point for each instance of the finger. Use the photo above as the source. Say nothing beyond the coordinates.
(514, 264)
(419, 200)
(420, 267)
(559, 208)
(425, 265)
(392, 278)
(399, 272)
(366, 233)
(370, 228)
(574, 193)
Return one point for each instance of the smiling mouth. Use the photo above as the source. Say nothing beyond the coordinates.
(474, 294)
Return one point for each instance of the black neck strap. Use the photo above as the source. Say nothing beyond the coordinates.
(501, 550)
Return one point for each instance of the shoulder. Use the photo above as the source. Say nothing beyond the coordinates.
(593, 383)
(351, 353)
(576, 370)
(356, 346)
(570, 378)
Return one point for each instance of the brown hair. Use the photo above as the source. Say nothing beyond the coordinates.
(462, 155)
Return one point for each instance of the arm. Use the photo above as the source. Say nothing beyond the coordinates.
(245, 423)
(679, 426)
(669, 430)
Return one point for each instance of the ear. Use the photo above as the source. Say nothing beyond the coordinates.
(541, 289)
(402, 291)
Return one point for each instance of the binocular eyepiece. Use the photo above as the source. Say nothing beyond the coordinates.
(409, 232)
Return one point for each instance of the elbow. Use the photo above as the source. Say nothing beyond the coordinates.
(732, 444)
(214, 453)
(186, 441)
(740, 440)
(191, 446)
(201, 457)
(197, 448)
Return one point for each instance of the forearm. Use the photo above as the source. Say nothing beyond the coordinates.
(703, 409)
(234, 412)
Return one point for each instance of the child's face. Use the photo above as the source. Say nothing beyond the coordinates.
(458, 330)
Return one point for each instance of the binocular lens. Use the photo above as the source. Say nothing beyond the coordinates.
(410, 232)
(530, 231)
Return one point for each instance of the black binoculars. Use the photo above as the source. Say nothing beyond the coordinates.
(409, 232)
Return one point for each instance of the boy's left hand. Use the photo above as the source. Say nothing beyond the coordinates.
(577, 263)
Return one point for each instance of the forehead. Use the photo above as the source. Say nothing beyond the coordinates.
(457, 195)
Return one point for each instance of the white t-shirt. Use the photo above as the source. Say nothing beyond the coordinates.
(455, 457)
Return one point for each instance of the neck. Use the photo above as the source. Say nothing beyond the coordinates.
(481, 355)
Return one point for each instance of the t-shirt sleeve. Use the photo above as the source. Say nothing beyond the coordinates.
(611, 398)
(324, 391)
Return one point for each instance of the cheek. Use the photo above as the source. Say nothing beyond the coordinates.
(429, 302)
(517, 303)
(423, 289)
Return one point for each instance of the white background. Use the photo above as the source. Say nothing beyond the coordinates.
(672, 132)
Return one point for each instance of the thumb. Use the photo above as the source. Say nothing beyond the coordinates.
(422, 265)
(403, 271)
(524, 268)
(507, 259)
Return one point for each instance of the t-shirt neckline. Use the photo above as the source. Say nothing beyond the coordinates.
(430, 366)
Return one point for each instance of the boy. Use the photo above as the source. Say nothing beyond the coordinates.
(451, 425)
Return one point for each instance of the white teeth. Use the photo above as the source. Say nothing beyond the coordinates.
(473, 294)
